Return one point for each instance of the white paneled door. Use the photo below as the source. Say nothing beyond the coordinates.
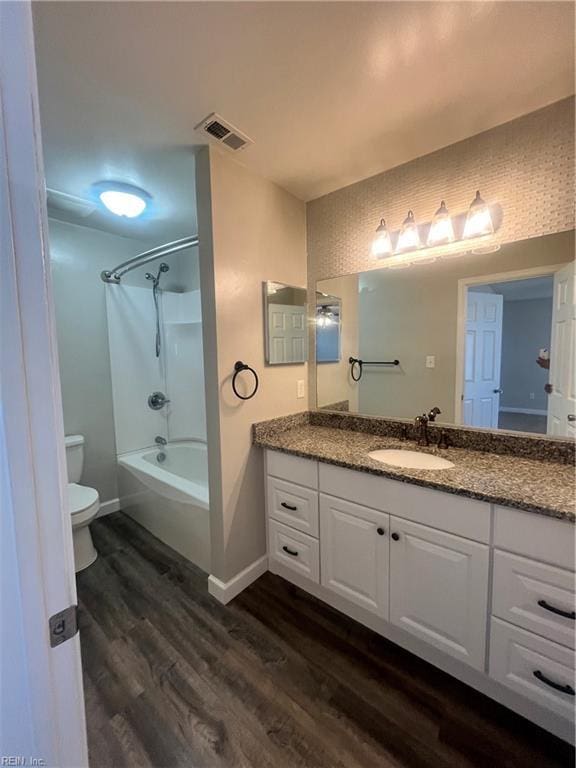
(482, 359)
(562, 400)
(355, 553)
(439, 589)
(287, 329)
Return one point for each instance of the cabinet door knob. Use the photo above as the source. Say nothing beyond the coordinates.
(396, 536)
(380, 531)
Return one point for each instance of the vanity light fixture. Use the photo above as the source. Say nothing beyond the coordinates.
(382, 245)
(441, 230)
(478, 220)
(409, 237)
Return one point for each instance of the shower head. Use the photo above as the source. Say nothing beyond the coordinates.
(148, 276)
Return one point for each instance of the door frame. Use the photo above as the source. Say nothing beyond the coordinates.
(463, 285)
(43, 580)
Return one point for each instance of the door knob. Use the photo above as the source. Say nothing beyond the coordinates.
(498, 391)
(571, 417)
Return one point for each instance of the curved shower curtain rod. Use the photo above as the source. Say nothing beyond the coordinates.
(115, 275)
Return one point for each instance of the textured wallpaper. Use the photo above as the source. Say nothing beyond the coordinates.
(527, 166)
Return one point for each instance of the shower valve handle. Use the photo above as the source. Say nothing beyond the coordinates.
(157, 400)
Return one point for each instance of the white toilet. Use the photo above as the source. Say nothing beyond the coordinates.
(83, 503)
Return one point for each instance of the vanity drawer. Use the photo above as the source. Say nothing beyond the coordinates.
(294, 550)
(532, 595)
(293, 505)
(446, 511)
(293, 468)
(538, 536)
(533, 667)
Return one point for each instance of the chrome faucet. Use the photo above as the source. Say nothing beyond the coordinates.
(160, 441)
(421, 423)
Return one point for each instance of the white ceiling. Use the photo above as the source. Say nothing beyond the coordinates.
(330, 92)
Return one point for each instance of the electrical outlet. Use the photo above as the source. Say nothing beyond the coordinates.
(532, 396)
(431, 361)
(300, 390)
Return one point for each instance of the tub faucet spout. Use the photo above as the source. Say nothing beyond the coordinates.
(160, 441)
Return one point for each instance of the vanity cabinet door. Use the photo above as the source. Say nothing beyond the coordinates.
(439, 589)
(354, 553)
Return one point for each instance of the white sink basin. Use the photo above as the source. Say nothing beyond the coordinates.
(410, 459)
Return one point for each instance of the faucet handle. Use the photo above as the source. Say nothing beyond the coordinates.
(433, 412)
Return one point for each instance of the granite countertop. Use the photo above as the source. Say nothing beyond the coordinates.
(543, 487)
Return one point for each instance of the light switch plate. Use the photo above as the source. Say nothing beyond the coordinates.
(300, 390)
(431, 361)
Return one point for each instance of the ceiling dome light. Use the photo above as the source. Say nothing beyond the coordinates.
(441, 229)
(478, 220)
(382, 245)
(409, 237)
(122, 199)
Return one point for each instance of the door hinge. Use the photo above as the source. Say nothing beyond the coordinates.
(63, 625)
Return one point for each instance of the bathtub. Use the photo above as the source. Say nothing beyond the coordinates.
(170, 498)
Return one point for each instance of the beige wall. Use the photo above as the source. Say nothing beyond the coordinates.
(412, 313)
(250, 231)
(334, 383)
(527, 166)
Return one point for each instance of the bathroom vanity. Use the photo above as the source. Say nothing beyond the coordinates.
(470, 568)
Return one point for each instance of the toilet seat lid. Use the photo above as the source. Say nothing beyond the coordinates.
(81, 498)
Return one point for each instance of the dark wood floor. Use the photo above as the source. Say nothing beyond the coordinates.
(274, 680)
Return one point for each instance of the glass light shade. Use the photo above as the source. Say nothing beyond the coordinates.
(441, 229)
(478, 220)
(409, 237)
(382, 245)
(123, 203)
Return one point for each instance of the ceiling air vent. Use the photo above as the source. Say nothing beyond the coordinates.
(223, 132)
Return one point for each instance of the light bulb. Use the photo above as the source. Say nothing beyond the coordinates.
(123, 203)
(381, 245)
(409, 237)
(441, 229)
(478, 220)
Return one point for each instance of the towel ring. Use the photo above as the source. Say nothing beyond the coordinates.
(239, 366)
(353, 362)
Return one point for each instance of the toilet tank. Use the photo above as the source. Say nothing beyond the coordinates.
(74, 457)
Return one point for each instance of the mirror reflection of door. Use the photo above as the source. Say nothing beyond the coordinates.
(507, 355)
(562, 401)
(287, 330)
(482, 359)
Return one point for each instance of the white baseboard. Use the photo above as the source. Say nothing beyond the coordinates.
(528, 411)
(224, 591)
(107, 507)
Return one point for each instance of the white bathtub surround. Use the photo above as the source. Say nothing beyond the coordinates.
(225, 591)
(170, 498)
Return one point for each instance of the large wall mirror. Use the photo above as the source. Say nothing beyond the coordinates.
(286, 330)
(487, 338)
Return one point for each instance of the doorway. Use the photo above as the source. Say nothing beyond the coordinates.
(505, 341)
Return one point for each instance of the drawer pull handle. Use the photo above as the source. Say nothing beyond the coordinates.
(290, 551)
(557, 686)
(288, 506)
(559, 611)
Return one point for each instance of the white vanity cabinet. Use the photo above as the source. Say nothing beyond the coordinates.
(486, 593)
(439, 589)
(355, 553)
